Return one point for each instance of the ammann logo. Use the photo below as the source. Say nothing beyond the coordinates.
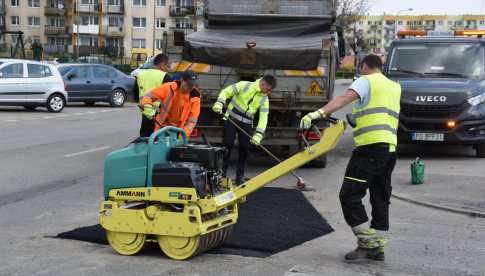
(130, 193)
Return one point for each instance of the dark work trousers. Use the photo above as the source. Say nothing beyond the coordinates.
(147, 126)
(228, 140)
(370, 167)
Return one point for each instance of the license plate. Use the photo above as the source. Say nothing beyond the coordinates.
(428, 136)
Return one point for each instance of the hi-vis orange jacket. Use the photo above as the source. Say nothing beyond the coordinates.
(165, 94)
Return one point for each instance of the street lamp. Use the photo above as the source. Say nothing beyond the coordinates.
(395, 23)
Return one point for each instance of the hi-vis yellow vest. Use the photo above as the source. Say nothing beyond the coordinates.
(148, 80)
(377, 122)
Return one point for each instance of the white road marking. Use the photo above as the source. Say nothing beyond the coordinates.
(11, 120)
(86, 151)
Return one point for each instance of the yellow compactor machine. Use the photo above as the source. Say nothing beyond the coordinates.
(166, 191)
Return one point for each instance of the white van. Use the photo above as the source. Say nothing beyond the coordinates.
(31, 84)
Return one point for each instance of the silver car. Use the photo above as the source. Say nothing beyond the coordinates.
(31, 84)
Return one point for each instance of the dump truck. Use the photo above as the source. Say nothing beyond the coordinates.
(246, 39)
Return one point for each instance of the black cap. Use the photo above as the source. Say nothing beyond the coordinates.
(190, 77)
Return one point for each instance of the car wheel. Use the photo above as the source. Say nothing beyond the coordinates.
(480, 148)
(30, 107)
(117, 98)
(55, 103)
(90, 103)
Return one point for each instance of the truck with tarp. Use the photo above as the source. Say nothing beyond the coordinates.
(246, 39)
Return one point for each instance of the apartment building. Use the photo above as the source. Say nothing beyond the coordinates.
(94, 27)
(379, 31)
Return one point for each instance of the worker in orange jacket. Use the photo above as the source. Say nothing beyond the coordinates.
(179, 103)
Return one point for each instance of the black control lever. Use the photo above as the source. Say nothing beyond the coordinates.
(205, 140)
(351, 120)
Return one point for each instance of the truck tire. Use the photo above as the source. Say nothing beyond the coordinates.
(480, 148)
(320, 162)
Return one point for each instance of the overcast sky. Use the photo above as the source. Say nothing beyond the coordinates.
(450, 7)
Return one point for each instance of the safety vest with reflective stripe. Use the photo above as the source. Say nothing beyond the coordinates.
(148, 80)
(247, 99)
(165, 94)
(377, 122)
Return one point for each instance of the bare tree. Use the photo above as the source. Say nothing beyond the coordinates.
(347, 13)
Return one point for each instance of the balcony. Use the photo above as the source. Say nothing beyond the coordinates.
(186, 31)
(112, 31)
(86, 29)
(3, 27)
(55, 30)
(85, 50)
(52, 48)
(114, 9)
(181, 10)
(48, 10)
(90, 8)
(2, 9)
(3, 47)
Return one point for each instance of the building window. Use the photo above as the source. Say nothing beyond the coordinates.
(89, 20)
(361, 23)
(450, 23)
(15, 3)
(378, 41)
(34, 21)
(138, 43)
(482, 22)
(369, 23)
(114, 42)
(160, 23)
(161, 3)
(159, 43)
(139, 22)
(2, 20)
(140, 3)
(440, 23)
(115, 2)
(34, 3)
(378, 23)
(399, 23)
(368, 32)
(115, 22)
(379, 31)
(15, 20)
(457, 23)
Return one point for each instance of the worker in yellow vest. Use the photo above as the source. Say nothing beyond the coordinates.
(149, 80)
(376, 104)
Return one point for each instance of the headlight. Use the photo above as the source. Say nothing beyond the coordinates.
(477, 99)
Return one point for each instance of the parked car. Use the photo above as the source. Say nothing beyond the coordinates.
(90, 83)
(95, 60)
(147, 65)
(31, 84)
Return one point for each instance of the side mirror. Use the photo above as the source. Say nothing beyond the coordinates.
(71, 76)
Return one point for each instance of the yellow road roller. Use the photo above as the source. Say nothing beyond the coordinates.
(162, 189)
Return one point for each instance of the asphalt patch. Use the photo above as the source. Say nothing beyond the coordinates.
(270, 221)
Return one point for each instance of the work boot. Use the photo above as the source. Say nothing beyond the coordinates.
(365, 253)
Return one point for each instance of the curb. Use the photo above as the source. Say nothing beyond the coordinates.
(438, 206)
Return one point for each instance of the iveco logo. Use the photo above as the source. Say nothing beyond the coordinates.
(430, 98)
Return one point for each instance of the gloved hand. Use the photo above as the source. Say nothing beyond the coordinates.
(306, 121)
(149, 111)
(217, 107)
(256, 140)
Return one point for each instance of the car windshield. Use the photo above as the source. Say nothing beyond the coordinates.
(437, 60)
(148, 64)
(64, 69)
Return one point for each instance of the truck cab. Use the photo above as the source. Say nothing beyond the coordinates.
(442, 75)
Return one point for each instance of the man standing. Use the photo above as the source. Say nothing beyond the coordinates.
(179, 103)
(376, 110)
(148, 80)
(247, 99)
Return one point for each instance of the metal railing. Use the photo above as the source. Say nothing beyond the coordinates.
(186, 31)
(181, 10)
(49, 10)
(87, 7)
(112, 31)
(3, 27)
(85, 50)
(53, 48)
(117, 9)
(55, 30)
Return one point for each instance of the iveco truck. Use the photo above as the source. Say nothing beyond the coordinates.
(244, 40)
(442, 75)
